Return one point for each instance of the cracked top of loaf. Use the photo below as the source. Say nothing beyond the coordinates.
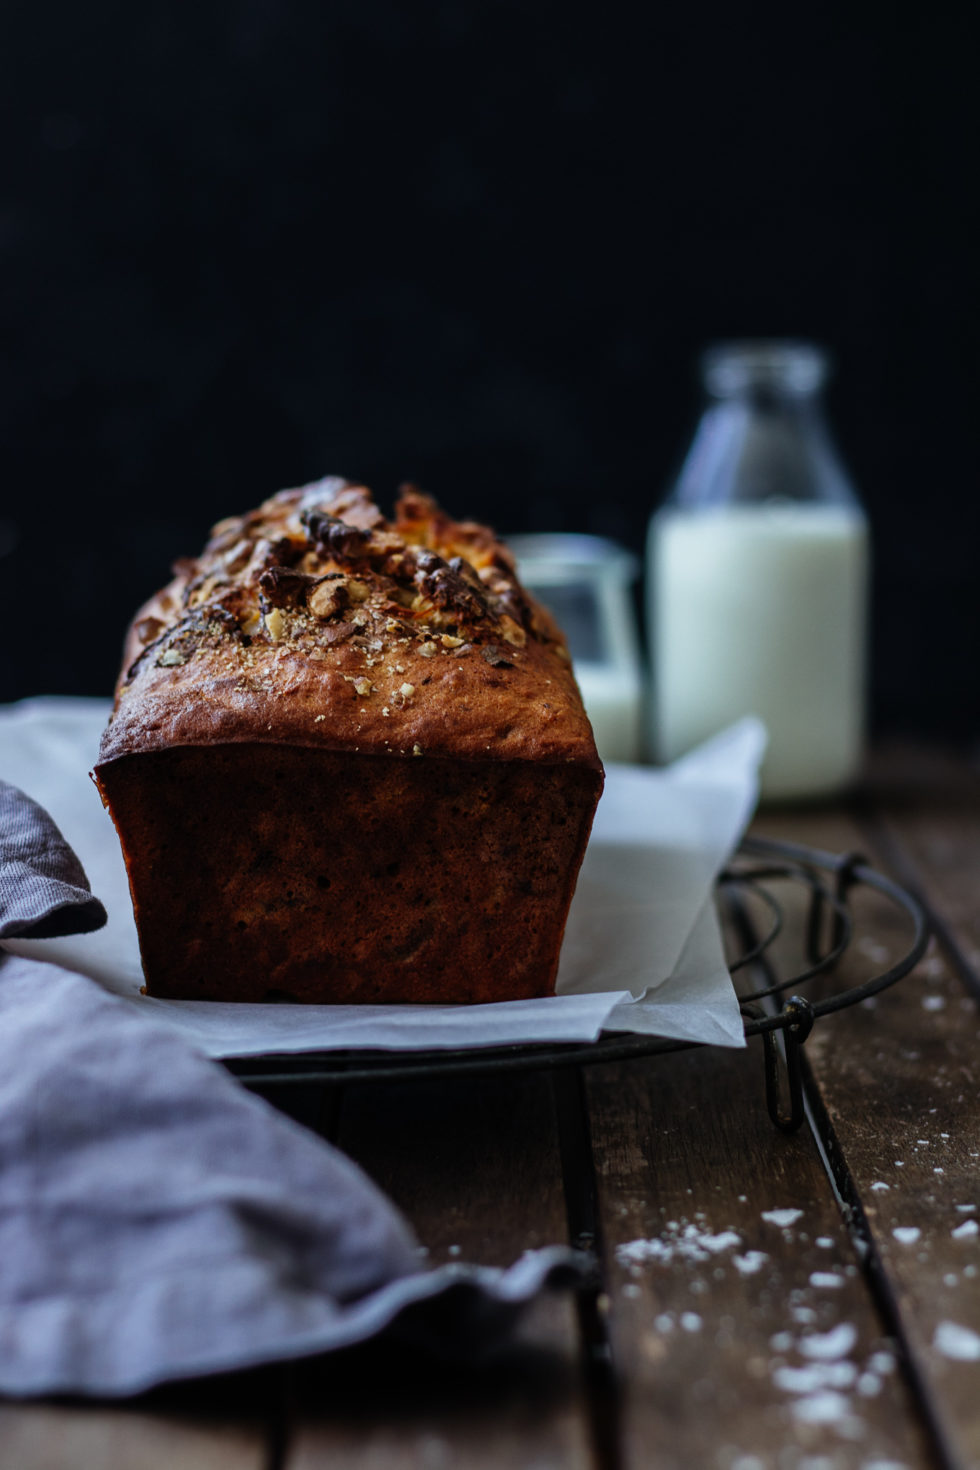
(315, 621)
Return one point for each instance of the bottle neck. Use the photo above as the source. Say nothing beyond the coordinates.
(766, 371)
(762, 436)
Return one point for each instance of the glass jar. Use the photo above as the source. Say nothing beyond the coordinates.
(585, 581)
(757, 573)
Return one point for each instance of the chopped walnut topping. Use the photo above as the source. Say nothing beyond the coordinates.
(335, 537)
(231, 525)
(495, 658)
(335, 632)
(321, 571)
(149, 628)
(237, 558)
(328, 599)
(283, 586)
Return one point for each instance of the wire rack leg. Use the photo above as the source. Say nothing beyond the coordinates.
(798, 1024)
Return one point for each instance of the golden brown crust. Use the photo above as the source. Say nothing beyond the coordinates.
(314, 621)
(280, 836)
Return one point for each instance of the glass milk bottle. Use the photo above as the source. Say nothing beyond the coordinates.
(757, 573)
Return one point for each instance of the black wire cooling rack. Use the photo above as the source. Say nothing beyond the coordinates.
(819, 920)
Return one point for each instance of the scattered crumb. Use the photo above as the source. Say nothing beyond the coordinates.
(827, 1346)
(827, 1407)
(954, 1341)
(687, 1243)
(906, 1234)
(815, 1376)
(750, 1263)
(782, 1218)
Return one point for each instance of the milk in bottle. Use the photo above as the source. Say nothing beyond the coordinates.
(758, 577)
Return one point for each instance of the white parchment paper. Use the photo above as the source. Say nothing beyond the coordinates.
(642, 950)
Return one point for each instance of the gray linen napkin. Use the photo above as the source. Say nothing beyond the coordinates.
(159, 1222)
(43, 888)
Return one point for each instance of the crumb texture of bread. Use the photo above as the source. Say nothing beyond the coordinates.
(348, 762)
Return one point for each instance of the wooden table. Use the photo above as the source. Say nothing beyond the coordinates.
(806, 1302)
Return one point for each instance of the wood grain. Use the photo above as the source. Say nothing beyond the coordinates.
(56, 1437)
(899, 1079)
(475, 1167)
(925, 808)
(741, 1340)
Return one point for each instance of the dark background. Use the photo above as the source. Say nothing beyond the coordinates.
(478, 245)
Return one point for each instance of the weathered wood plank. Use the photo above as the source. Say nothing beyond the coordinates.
(475, 1167)
(58, 1437)
(925, 805)
(899, 1080)
(743, 1332)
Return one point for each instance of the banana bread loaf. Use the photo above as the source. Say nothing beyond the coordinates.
(348, 762)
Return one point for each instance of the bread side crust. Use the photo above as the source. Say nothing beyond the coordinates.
(261, 872)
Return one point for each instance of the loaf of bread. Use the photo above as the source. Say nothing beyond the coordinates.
(348, 762)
